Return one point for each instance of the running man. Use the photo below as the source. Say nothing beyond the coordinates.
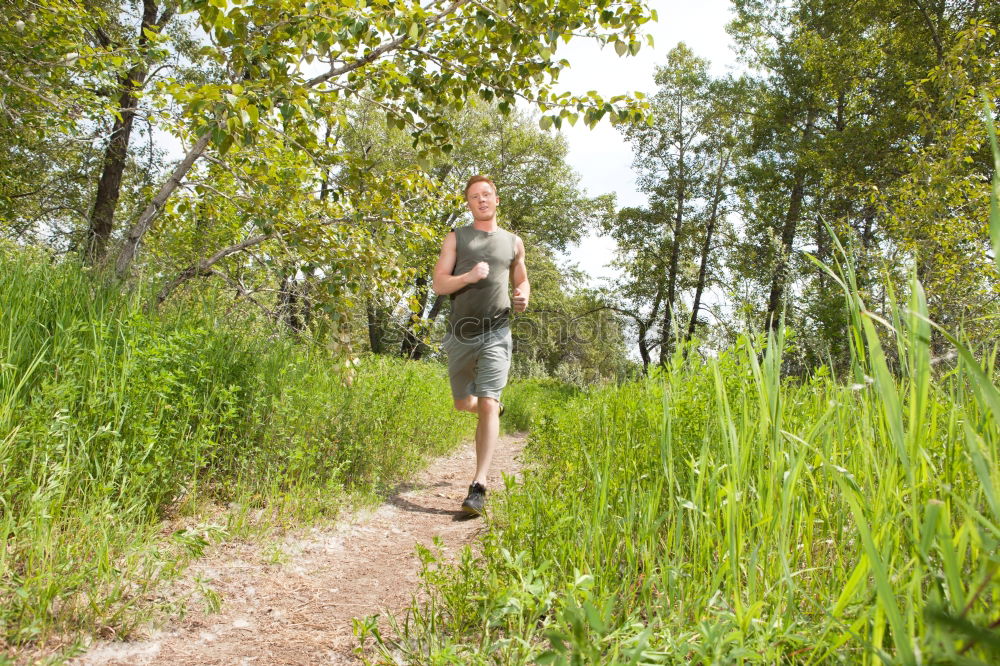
(475, 265)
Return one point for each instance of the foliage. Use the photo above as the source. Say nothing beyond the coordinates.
(272, 191)
(683, 159)
(540, 201)
(935, 212)
(45, 93)
(568, 329)
(862, 118)
(790, 521)
(529, 402)
(112, 420)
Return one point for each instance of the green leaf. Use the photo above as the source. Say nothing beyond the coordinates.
(884, 592)
(594, 618)
(545, 122)
(995, 191)
(621, 47)
(225, 144)
(929, 528)
(850, 588)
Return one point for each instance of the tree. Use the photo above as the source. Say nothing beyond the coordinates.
(683, 158)
(45, 94)
(569, 332)
(416, 62)
(715, 214)
(261, 98)
(835, 126)
(642, 254)
(540, 200)
(935, 213)
(141, 55)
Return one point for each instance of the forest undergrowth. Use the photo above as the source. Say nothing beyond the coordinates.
(117, 424)
(718, 511)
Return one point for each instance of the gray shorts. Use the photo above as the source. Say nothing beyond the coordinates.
(478, 365)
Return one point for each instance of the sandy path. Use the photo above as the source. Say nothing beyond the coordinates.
(299, 610)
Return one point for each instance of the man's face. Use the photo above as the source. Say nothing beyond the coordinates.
(482, 201)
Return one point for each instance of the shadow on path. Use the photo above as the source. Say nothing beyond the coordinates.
(406, 505)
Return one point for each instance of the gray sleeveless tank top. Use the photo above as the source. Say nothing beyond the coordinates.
(489, 299)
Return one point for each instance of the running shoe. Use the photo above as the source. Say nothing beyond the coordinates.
(473, 504)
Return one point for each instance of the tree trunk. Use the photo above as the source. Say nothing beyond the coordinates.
(102, 215)
(374, 330)
(840, 207)
(436, 308)
(777, 293)
(292, 304)
(707, 246)
(421, 348)
(152, 211)
(667, 328)
(788, 227)
(408, 347)
(644, 348)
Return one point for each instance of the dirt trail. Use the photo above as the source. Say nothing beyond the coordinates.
(299, 610)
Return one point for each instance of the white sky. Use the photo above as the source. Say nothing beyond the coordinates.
(601, 156)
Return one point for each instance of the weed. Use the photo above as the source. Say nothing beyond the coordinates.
(716, 512)
(113, 420)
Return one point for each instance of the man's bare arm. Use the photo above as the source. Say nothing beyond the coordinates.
(444, 282)
(519, 276)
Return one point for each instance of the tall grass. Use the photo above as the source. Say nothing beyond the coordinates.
(112, 420)
(719, 513)
(527, 402)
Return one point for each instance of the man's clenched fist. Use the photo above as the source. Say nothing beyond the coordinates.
(478, 272)
(520, 300)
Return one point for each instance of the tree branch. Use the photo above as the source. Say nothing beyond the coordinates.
(939, 48)
(152, 211)
(51, 100)
(380, 51)
(203, 267)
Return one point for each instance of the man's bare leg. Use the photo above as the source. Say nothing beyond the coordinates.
(468, 404)
(487, 433)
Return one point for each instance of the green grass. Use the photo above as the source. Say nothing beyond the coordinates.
(112, 420)
(528, 402)
(717, 512)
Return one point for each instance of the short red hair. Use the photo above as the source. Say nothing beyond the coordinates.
(480, 178)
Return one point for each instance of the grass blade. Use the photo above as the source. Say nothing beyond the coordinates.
(995, 191)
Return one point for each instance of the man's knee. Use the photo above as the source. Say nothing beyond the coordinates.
(466, 404)
(488, 405)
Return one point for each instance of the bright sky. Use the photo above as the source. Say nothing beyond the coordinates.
(601, 156)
